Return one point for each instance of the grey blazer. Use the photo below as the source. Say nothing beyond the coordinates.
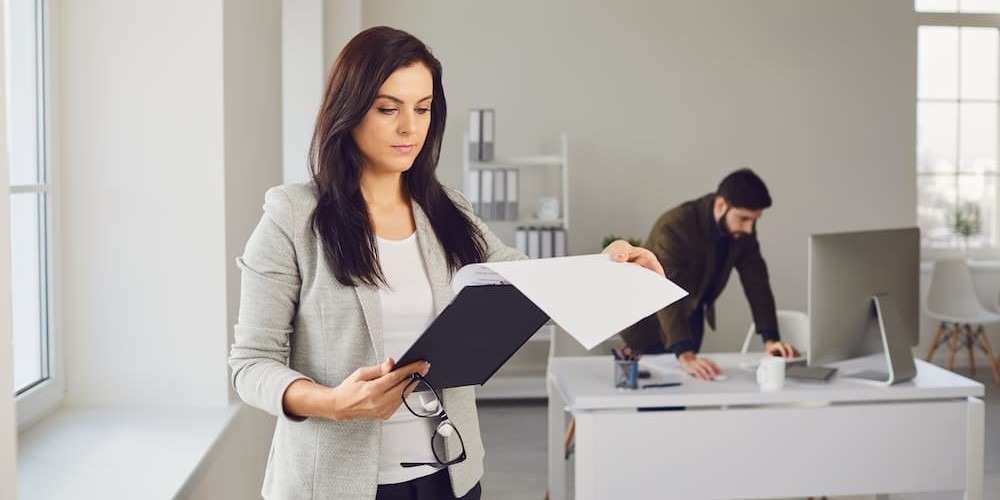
(297, 321)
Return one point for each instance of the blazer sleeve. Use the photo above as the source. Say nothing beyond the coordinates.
(757, 288)
(268, 301)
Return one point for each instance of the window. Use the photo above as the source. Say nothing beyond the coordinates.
(958, 105)
(31, 197)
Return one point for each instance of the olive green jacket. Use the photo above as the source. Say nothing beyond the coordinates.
(682, 241)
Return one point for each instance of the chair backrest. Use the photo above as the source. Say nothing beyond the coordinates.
(793, 326)
(952, 292)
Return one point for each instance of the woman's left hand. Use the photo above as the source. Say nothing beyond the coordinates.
(623, 251)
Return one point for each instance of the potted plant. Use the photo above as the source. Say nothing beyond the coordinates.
(965, 222)
(636, 242)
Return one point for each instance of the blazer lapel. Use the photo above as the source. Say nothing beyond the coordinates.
(434, 260)
(371, 306)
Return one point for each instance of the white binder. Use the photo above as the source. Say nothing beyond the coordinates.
(472, 191)
(545, 240)
(559, 242)
(499, 194)
(486, 193)
(512, 188)
(534, 245)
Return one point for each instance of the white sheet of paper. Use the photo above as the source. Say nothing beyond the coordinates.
(592, 297)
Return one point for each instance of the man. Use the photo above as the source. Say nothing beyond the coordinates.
(699, 243)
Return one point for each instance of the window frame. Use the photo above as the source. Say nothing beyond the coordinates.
(45, 396)
(962, 20)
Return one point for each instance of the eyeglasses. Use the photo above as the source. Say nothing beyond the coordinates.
(425, 402)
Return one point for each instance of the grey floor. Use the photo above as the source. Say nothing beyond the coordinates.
(514, 434)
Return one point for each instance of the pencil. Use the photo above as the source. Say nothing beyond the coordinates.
(665, 384)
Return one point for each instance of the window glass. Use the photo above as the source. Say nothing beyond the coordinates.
(28, 297)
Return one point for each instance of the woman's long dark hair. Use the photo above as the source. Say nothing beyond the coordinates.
(341, 216)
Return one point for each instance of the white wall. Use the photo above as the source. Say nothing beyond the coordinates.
(170, 131)
(662, 98)
(313, 32)
(141, 127)
(170, 127)
(253, 152)
(8, 423)
(235, 468)
(303, 71)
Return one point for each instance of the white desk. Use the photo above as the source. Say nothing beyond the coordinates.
(845, 437)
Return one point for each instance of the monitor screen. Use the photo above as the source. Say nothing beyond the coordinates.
(845, 271)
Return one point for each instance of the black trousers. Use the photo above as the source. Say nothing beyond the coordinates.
(433, 487)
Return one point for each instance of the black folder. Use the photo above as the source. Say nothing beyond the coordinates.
(475, 335)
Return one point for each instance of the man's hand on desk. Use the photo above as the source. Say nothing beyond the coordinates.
(779, 348)
(702, 368)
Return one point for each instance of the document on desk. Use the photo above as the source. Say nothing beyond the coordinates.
(592, 297)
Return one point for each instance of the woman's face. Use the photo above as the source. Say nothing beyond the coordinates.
(392, 133)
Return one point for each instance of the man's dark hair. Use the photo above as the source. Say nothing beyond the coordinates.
(744, 189)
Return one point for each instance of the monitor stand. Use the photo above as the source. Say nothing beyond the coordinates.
(884, 316)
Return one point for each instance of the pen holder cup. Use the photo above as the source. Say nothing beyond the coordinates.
(626, 374)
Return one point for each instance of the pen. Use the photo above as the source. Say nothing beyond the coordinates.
(665, 384)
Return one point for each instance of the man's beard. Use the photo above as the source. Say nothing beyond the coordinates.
(724, 228)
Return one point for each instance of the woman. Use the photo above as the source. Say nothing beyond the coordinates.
(343, 273)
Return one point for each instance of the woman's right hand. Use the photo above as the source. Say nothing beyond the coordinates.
(374, 391)
(370, 392)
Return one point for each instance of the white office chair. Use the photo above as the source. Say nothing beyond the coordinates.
(953, 302)
(793, 326)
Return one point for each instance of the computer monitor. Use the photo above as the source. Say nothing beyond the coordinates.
(864, 298)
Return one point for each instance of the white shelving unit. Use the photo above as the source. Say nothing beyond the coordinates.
(523, 376)
(530, 168)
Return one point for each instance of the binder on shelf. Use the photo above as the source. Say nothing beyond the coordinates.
(499, 194)
(545, 241)
(512, 187)
(534, 245)
(486, 193)
(475, 134)
(521, 240)
(481, 131)
(486, 140)
(472, 191)
(559, 242)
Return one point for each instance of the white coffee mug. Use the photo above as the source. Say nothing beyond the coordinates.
(548, 208)
(771, 373)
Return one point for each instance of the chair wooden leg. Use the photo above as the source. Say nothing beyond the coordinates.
(970, 344)
(568, 439)
(952, 346)
(937, 341)
(994, 361)
(567, 444)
